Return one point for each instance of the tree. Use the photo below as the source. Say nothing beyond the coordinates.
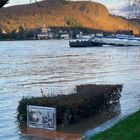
(3, 2)
(134, 8)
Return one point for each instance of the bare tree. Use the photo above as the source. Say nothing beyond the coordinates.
(134, 8)
(3, 2)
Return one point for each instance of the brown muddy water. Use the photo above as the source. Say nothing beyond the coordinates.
(27, 67)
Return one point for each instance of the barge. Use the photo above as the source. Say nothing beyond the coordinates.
(84, 43)
(118, 40)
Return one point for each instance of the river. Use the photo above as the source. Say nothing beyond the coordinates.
(27, 67)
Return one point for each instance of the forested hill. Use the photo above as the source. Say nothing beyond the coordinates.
(63, 13)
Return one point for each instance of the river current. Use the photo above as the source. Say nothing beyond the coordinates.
(28, 67)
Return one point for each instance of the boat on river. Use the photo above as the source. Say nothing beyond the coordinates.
(84, 43)
(118, 40)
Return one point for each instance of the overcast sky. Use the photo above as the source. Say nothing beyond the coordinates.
(105, 2)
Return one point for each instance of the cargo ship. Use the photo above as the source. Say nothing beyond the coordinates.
(117, 40)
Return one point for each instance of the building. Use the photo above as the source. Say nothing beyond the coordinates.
(64, 36)
(45, 34)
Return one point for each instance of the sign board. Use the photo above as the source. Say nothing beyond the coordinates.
(41, 117)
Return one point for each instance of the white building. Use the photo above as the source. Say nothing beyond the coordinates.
(45, 34)
(64, 36)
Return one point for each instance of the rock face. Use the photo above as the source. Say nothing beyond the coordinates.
(63, 13)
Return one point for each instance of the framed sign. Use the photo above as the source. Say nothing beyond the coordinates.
(41, 117)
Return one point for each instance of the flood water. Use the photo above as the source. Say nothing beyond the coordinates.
(27, 67)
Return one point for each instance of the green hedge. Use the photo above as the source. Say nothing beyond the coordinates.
(87, 101)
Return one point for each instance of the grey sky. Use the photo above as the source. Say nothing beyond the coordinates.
(105, 2)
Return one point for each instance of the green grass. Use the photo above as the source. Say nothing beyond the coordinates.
(127, 129)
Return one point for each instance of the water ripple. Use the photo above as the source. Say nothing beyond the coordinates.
(28, 66)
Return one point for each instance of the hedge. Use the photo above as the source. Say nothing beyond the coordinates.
(87, 101)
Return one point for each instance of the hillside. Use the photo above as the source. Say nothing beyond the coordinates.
(63, 13)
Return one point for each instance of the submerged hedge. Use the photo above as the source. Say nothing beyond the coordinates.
(87, 101)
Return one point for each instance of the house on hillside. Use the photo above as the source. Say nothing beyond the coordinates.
(45, 34)
(64, 36)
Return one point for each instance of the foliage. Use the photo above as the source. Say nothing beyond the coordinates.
(87, 101)
(72, 22)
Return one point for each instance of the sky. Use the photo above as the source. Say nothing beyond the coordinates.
(16, 2)
(108, 3)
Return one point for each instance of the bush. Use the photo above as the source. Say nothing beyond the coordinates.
(87, 101)
(72, 22)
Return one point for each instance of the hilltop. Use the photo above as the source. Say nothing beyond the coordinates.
(60, 13)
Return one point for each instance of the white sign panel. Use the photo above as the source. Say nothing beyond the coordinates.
(41, 117)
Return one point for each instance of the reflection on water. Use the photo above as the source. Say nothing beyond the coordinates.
(40, 134)
(28, 66)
